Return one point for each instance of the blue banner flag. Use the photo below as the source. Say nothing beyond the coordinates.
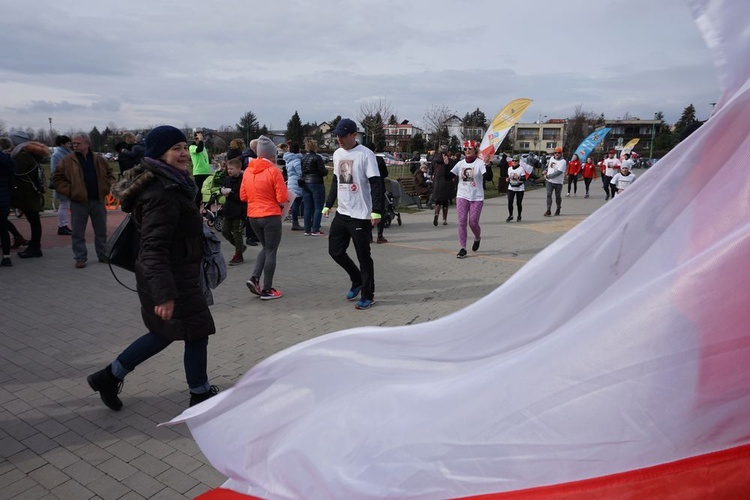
(590, 142)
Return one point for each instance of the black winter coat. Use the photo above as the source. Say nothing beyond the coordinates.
(171, 250)
(234, 208)
(313, 168)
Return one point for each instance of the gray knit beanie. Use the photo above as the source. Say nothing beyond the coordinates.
(266, 148)
(18, 137)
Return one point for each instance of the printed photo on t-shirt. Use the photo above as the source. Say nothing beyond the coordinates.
(346, 172)
(467, 174)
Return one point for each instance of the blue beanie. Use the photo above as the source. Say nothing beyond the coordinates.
(160, 139)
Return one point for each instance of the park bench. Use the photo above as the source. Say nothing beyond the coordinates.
(409, 189)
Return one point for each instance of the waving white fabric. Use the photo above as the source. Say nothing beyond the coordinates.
(468, 405)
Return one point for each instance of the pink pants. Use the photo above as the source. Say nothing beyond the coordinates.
(470, 210)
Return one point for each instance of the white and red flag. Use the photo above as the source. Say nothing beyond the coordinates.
(631, 383)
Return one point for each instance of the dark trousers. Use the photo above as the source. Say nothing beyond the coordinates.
(314, 197)
(35, 223)
(605, 183)
(199, 180)
(518, 196)
(573, 179)
(4, 235)
(343, 230)
(80, 213)
(295, 211)
(612, 188)
(557, 189)
(249, 233)
(195, 358)
(268, 230)
(587, 182)
(232, 231)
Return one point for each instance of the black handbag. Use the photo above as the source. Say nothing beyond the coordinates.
(122, 247)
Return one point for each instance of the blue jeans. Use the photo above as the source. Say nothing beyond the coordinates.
(80, 213)
(294, 210)
(314, 196)
(195, 359)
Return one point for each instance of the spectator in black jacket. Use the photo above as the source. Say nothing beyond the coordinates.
(235, 210)
(129, 154)
(313, 190)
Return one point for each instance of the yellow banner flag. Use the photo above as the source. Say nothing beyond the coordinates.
(500, 126)
(629, 146)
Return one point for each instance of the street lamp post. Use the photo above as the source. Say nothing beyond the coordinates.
(541, 133)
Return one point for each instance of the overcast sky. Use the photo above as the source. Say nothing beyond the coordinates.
(204, 64)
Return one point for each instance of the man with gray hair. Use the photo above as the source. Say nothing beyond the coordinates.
(86, 179)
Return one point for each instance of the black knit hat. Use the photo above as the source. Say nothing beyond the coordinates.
(160, 139)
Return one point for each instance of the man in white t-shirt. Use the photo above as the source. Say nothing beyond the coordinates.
(554, 177)
(611, 167)
(356, 184)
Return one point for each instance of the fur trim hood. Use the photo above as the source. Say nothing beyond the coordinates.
(34, 148)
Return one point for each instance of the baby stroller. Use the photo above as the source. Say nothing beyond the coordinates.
(213, 201)
(390, 211)
(213, 212)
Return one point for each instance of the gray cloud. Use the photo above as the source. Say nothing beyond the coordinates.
(205, 64)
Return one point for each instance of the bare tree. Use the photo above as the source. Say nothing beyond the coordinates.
(372, 113)
(372, 107)
(436, 121)
(579, 126)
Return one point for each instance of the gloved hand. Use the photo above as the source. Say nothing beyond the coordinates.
(325, 211)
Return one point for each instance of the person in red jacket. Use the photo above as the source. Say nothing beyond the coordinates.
(588, 172)
(264, 190)
(574, 168)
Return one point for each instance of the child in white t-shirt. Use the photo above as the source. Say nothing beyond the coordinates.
(622, 179)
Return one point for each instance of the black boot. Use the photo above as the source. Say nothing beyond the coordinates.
(18, 242)
(108, 386)
(30, 252)
(199, 397)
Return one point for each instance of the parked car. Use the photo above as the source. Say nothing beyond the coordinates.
(390, 159)
(326, 157)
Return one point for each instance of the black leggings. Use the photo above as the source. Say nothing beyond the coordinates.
(518, 195)
(587, 181)
(573, 179)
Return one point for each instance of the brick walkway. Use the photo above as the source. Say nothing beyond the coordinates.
(58, 324)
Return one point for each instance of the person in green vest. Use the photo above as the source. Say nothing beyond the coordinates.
(201, 163)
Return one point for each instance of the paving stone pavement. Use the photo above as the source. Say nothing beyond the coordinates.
(58, 324)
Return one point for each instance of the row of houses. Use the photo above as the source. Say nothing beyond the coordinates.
(541, 137)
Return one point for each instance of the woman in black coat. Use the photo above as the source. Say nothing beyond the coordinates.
(443, 185)
(160, 195)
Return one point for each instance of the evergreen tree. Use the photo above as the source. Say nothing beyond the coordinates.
(418, 142)
(248, 127)
(294, 130)
(96, 139)
(686, 124)
(475, 119)
(454, 145)
(664, 139)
